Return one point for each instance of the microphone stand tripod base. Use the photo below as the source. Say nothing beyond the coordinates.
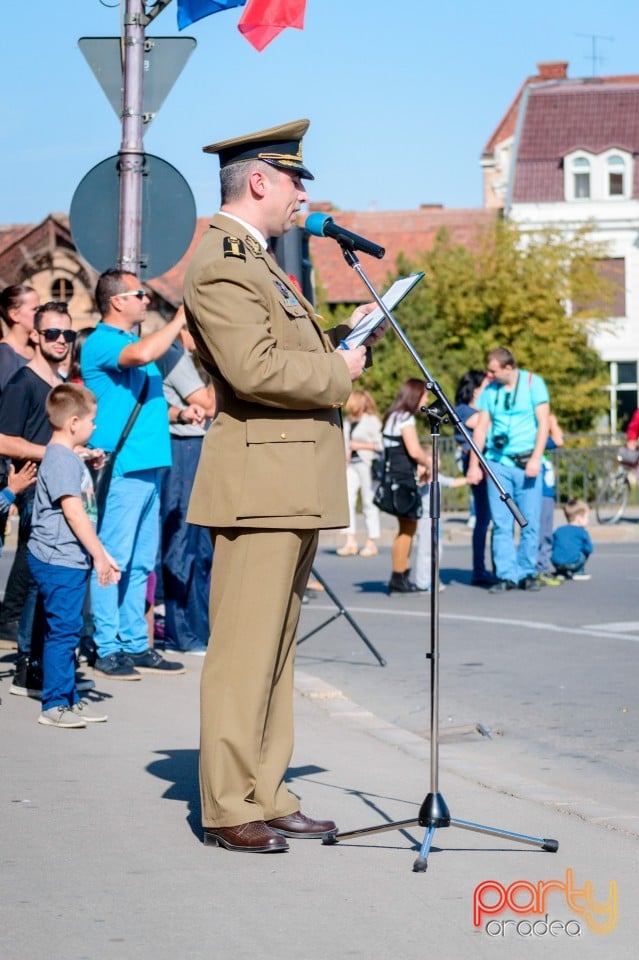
(434, 813)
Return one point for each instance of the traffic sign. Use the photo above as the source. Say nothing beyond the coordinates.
(168, 216)
(164, 60)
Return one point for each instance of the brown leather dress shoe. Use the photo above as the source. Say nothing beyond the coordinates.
(298, 825)
(254, 837)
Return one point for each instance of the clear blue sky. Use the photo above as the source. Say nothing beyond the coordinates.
(402, 95)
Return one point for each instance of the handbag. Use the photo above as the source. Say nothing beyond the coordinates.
(400, 498)
(377, 468)
(103, 475)
(629, 458)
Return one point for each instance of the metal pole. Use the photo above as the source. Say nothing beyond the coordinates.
(131, 151)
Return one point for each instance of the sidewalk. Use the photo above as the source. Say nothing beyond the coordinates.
(455, 529)
(102, 859)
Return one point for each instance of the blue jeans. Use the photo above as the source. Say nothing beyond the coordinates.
(480, 531)
(545, 534)
(62, 590)
(575, 566)
(481, 511)
(130, 533)
(187, 552)
(515, 563)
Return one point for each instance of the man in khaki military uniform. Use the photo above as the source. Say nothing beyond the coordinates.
(271, 475)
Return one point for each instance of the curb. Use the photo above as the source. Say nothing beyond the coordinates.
(338, 707)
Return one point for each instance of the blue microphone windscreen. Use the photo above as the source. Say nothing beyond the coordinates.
(315, 223)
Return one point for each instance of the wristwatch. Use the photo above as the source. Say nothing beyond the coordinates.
(180, 419)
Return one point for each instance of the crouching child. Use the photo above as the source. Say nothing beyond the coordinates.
(571, 543)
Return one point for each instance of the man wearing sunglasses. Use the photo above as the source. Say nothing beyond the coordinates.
(117, 365)
(24, 434)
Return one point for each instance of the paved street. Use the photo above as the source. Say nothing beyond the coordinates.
(101, 858)
(551, 675)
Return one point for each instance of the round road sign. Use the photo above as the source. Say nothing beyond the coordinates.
(168, 216)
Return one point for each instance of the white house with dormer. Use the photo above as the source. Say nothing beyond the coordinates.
(566, 155)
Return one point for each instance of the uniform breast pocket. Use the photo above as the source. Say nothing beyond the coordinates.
(280, 477)
(299, 332)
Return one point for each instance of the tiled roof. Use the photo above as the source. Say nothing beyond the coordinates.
(24, 245)
(411, 232)
(10, 235)
(570, 115)
(551, 70)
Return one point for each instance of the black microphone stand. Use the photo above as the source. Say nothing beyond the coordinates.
(341, 612)
(434, 813)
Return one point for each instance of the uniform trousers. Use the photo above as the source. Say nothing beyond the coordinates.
(257, 584)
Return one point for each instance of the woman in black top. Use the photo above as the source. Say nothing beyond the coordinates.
(405, 455)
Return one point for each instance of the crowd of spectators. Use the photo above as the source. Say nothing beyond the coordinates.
(152, 408)
(505, 411)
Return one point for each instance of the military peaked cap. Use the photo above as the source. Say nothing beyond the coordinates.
(280, 146)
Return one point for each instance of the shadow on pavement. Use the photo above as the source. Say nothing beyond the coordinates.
(180, 769)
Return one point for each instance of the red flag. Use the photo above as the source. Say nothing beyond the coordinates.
(263, 20)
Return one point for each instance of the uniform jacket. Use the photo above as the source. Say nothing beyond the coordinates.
(274, 454)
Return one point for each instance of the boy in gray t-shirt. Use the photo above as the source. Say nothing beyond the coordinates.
(61, 548)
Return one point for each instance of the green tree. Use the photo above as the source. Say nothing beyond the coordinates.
(506, 289)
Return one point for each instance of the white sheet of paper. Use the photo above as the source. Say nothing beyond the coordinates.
(395, 293)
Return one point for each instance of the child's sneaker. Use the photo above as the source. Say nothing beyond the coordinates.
(61, 717)
(581, 576)
(549, 581)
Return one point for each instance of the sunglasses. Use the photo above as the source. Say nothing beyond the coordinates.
(140, 294)
(54, 333)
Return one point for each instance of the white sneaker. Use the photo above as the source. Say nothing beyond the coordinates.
(581, 576)
(82, 710)
(61, 717)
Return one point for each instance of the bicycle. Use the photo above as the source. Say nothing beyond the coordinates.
(613, 490)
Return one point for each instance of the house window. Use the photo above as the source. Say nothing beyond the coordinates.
(616, 171)
(623, 393)
(581, 175)
(62, 289)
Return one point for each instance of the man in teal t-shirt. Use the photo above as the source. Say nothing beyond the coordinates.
(116, 364)
(513, 428)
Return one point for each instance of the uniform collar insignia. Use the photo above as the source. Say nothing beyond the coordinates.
(254, 245)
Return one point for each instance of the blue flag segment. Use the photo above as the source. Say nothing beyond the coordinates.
(191, 10)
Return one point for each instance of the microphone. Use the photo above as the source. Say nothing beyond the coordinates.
(321, 225)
